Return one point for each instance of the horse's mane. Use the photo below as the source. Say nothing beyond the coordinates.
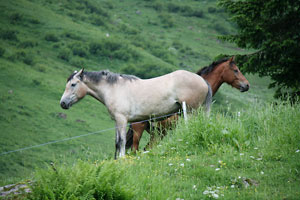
(211, 67)
(110, 77)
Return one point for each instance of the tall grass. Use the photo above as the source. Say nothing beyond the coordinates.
(253, 154)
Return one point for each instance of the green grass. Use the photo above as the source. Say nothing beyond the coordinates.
(251, 155)
(42, 42)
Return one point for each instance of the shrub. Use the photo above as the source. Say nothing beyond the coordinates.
(77, 62)
(16, 18)
(9, 35)
(2, 51)
(98, 21)
(167, 20)
(211, 10)
(113, 49)
(51, 37)
(64, 54)
(27, 44)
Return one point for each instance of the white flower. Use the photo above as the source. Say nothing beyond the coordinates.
(182, 164)
(146, 151)
(252, 157)
(189, 160)
(170, 164)
(173, 148)
(107, 34)
(206, 192)
(215, 195)
(262, 172)
(232, 186)
(217, 169)
(239, 114)
(297, 151)
(259, 159)
(255, 148)
(241, 154)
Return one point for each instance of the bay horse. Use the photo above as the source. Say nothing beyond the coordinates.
(219, 72)
(130, 99)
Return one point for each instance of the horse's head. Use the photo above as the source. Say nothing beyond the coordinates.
(234, 77)
(75, 90)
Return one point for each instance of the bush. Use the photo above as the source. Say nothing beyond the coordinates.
(113, 49)
(16, 18)
(51, 37)
(64, 54)
(9, 35)
(77, 62)
(82, 181)
(211, 10)
(27, 44)
(167, 20)
(2, 51)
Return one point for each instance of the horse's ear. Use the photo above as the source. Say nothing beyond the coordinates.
(80, 74)
(232, 59)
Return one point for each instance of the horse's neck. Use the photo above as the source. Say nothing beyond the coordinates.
(215, 79)
(95, 90)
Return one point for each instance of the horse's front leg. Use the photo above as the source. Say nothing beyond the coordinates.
(121, 124)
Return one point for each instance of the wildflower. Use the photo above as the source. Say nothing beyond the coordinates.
(215, 195)
(180, 140)
(182, 164)
(262, 173)
(170, 164)
(217, 169)
(255, 148)
(173, 148)
(146, 151)
(107, 34)
(232, 186)
(258, 158)
(189, 160)
(195, 187)
(297, 151)
(252, 157)
(241, 154)
(239, 114)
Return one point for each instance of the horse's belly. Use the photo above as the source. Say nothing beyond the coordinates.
(146, 112)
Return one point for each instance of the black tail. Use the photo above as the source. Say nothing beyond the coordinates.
(129, 137)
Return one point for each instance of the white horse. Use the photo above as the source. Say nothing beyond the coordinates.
(131, 99)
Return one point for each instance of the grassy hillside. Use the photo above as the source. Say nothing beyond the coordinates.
(42, 42)
(252, 154)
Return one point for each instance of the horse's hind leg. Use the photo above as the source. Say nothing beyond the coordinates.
(138, 129)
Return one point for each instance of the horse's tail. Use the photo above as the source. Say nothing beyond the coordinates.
(208, 99)
(129, 137)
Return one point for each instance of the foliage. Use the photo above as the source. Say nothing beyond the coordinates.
(269, 28)
(247, 154)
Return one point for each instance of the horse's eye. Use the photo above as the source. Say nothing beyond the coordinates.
(73, 84)
(236, 71)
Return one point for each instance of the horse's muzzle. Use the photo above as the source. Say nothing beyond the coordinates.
(64, 105)
(244, 87)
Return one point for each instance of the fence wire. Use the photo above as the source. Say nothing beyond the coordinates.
(79, 136)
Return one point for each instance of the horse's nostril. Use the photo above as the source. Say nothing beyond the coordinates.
(63, 105)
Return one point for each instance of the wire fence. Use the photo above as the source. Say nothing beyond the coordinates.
(79, 136)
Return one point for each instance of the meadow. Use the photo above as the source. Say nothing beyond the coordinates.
(43, 42)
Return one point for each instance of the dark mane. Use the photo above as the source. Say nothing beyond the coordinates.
(110, 77)
(211, 67)
(71, 76)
